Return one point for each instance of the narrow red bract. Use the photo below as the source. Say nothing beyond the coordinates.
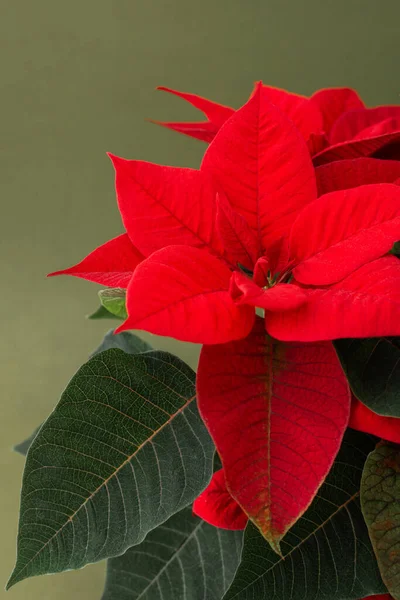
(111, 264)
(277, 414)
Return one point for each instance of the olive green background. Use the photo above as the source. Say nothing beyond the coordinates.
(77, 80)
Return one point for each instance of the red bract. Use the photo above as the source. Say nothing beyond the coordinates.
(247, 231)
(364, 419)
(277, 413)
(216, 506)
(334, 122)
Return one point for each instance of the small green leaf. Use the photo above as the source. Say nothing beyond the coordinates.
(380, 502)
(372, 366)
(124, 450)
(183, 558)
(126, 341)
(113, 300)
(102, 313)
(23, 447)
(327, 555)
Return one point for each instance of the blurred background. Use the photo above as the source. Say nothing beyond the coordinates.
(77, 80)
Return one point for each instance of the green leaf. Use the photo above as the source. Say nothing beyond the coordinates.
(124, 450)
(372, 367)
(126, 341)
(183, 558)
(102, 313)
(113, 300)
(395, 249)
(380, 502)
(23, 447)
(327, 554)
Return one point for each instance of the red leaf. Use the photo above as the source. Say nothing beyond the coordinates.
(345, 174)
(301, 111)
(217, 507)
(333, 102)
(277, 414)
(338, 233)
(163, 206)
(182, 292)
(365, 304)
(205, 131)
(354, 122)
(111, 264)
(283, 296)
(364, 419)
(263, 165)
(355, 148)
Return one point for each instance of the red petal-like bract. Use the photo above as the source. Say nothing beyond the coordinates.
(111, 264)
(355, 148)
(364, 419)
(238, 239)
(217, 507)
(284, 296)
(303, 113)
(182, 292)
(263, 165)
(163, 206)
(365, 304)
(205, 131)
(354, 122)
(277, 414)
(338, 233)
(345, 174)
(333, 102)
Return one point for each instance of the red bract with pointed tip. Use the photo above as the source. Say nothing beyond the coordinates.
(334, 122)
(247, 232)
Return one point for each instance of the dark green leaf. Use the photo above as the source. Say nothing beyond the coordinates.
(124, 450)
(113, 300)
(380, 502)
(327, 553)
(102, 313)
(185, 558)
(24, 446)
(372, 367)
(126, 341)
(396, 249)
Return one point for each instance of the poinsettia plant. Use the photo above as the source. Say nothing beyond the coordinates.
(274, 471)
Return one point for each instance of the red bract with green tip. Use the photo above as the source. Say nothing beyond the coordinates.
(247, 231)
